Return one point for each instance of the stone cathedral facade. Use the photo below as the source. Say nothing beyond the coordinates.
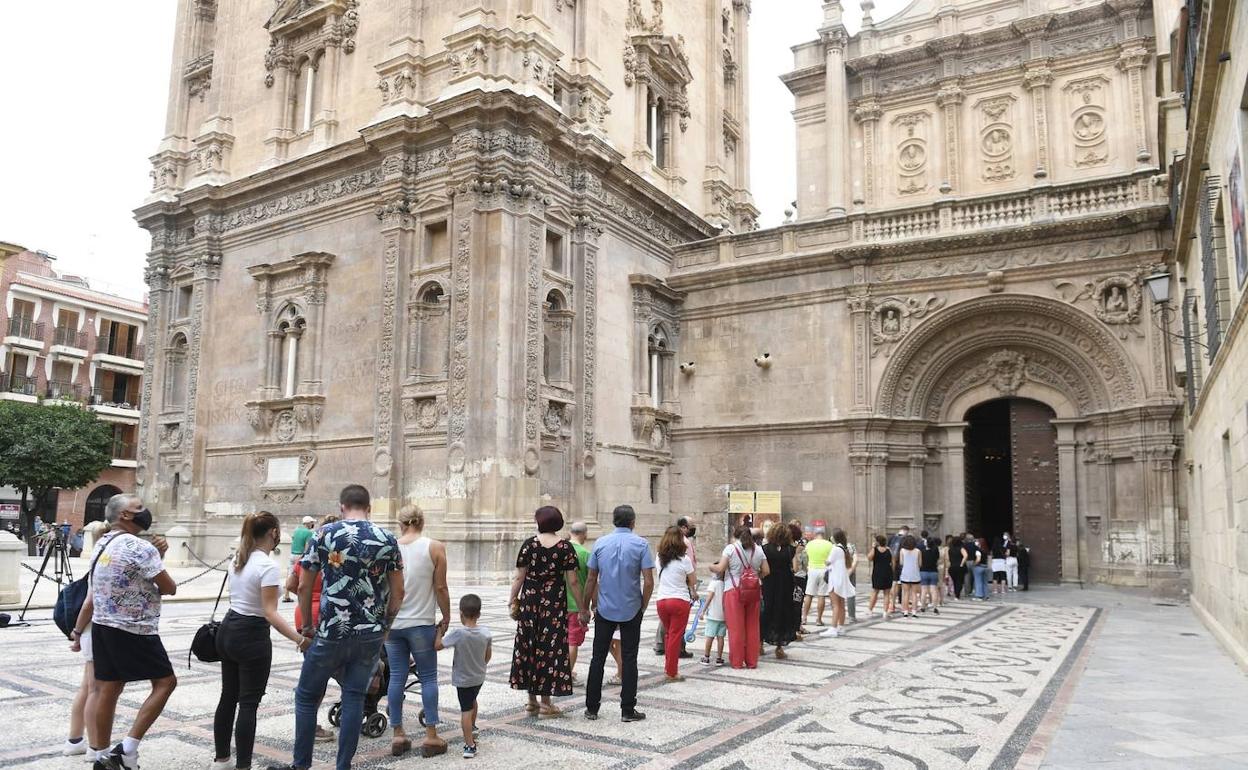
(489, 255)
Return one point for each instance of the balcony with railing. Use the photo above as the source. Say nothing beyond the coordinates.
(59, 390)
(24, 332)
(108, 404)
(119, 354)
(67, 340)
(17, 384)
(123, 451)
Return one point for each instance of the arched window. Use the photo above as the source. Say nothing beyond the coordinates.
(430, 333)
(556, 338)
(304, 93)
(290, 327)
(175, 373)
(659, 361)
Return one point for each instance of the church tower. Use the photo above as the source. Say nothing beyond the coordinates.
(423, 246)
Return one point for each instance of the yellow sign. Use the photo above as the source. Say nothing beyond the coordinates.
(767, 502)
(741, 502)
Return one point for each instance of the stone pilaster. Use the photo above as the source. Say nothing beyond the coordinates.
(1037, 80)
(867, 113)
(1068, 498)
(859, 310)
(955, 477)
(207, 272)
(397, 228)
(917, 461)
(949, 99)
(584, 240)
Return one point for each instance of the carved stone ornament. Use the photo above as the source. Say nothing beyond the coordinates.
(302, 26)
(651, 427)
(912, 153)
(286, 419)
(1116, 299)
(553, 419)
(661, 62)
(284, 426)
(891, 318)
(1087, 100)
(170, 437)
(284, 478)
(427, 413)
(996, 144)
(1006, 370)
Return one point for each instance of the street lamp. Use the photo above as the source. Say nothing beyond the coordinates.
(1159, 287)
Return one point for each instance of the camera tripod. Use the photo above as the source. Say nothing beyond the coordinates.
(58, 553)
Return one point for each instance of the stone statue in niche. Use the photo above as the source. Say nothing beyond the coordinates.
(891, 322)
(1086, 100)
(1006, 370)
(891, 318)
(911, 153)
(1115, 300)
(1090, 125)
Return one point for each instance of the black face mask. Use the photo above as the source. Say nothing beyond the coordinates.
(693, 531)
(143, 519)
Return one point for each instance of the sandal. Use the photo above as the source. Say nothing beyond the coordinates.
(531, 708)
(432, 750)
(400, 746)
(549, 711)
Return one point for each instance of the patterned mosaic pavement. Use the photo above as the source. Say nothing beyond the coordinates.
(966, 689)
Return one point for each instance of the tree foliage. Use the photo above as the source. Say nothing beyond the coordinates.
(46, 447)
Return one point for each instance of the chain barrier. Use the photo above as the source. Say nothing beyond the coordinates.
(211, 567)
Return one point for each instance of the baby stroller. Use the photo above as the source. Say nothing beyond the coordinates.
(375, 722)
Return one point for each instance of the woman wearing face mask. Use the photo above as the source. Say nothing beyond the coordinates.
(243, 639)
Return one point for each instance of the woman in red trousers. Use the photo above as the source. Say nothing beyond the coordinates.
(677, 586)
(741, 612)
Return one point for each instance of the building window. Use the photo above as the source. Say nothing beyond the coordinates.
(175, 373)
(656, 372)
(290, 327)
(186, 293)
(1228, 480)
(1213, 264)
(554, 253)
(660, 68)
(430, 340)
(304, 94)
(654, 487)
(556, 340)
(437, 243)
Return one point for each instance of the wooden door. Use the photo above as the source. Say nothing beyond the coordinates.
(1033, 454)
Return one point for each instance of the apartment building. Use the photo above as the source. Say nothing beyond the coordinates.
(63, 341)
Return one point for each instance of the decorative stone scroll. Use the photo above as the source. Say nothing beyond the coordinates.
(1116, 299)
(284, 478)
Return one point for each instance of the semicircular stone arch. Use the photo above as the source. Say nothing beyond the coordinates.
(1007, 341)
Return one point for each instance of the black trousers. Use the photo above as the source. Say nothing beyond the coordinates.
(630, 640)
(246, 657)
(958, 574)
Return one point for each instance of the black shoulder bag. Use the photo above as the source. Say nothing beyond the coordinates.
(204, 645)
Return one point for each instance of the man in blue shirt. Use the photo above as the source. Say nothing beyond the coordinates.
(621, 579)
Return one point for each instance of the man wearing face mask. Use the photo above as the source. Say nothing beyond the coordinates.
(123, 607)
(689, 531)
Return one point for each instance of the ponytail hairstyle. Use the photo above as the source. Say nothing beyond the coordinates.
(255, 526)
(411, 517)
(745, 536)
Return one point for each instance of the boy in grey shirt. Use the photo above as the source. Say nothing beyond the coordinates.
(472, 654)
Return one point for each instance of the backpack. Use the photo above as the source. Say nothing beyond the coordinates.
(749, 589)
(71, 598)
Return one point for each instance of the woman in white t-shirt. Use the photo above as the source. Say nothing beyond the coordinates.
(741, 610)
(243, 639)
(677, 587)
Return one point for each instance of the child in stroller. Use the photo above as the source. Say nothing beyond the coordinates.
(375, 722)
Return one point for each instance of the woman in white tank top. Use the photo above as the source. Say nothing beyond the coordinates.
(411, 636)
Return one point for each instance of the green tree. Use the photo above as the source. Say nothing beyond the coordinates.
(43, 448)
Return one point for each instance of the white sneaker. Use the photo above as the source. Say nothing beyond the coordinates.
(71, 748)
(225, 764)
(833, 632)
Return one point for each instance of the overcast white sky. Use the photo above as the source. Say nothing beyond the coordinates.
(84, 107)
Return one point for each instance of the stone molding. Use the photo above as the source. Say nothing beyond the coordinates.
(914, 383)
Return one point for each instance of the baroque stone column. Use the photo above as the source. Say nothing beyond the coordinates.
(836, 106)
(397, 228)
(949, 99)
(207, 271)
(867, 113)
(955, 476)
(1037, 80)
(917, 461)
(860, 461)
(879, 490)
(859, 309)
(584, 239)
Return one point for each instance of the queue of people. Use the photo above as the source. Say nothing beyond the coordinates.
(365, 595)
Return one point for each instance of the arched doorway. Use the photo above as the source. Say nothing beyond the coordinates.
(1012, 482)
(96, 502)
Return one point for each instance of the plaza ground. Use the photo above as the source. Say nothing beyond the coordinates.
(1053, 678)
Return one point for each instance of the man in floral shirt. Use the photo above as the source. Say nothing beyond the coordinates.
(362, 589)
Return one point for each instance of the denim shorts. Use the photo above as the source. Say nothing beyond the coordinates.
(929, 578)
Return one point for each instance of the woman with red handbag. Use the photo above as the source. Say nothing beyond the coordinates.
(743, 566)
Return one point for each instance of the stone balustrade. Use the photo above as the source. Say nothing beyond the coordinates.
(1040, 205)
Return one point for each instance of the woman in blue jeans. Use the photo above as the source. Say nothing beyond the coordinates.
(411, 636)
(980, 569)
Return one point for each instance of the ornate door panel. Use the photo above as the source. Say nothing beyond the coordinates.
(1033, 452)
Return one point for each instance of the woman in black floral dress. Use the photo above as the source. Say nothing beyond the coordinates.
(545, 572)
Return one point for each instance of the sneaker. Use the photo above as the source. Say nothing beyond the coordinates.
(936, 610)
(685, 654)
(833, 632)
(124, 760)
(632, 716)
(658, 652)
(107, 762)
(74, 747)
(615, 681)
(719, 661)
(469, 751)
(705, 660)
(323, 735)
(591, 715)
(224, 764)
